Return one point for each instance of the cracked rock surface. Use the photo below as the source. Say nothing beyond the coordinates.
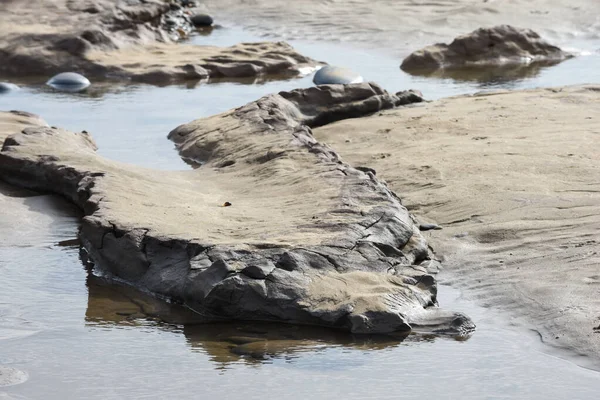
(502, 44)
(125, 38)
(307, 239)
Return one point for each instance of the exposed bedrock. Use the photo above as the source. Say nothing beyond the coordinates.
(502, 44)
(125, 38)
(306, 238)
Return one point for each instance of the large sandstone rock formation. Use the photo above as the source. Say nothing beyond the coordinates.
(501, 44)
(126, 38)
(306, 238)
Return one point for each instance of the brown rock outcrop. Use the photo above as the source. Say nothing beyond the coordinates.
(501, 44)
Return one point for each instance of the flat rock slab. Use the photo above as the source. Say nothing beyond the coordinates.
(498, 45)
(308, 239)
(124, 38)
(162, 63)
(513, 178)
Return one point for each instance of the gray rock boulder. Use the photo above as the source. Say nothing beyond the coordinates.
(329, 75)
(307, 238)
(501, 44)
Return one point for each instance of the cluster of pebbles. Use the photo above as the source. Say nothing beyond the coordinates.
(182, 19)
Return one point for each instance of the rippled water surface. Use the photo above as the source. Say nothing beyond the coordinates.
(78, 336)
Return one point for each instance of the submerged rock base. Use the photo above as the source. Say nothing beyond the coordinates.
(273, 225)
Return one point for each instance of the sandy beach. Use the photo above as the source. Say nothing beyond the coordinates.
(513, 179)
(399, 27)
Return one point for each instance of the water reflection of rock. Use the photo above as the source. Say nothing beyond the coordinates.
(110, 303)
(114, 305)
(99, 89)
(488, 76)
(258, 342)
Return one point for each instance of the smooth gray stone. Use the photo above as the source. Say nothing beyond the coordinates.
(329, 75)
(69, 82)
(428, 227)
(202, 20)
(6, 87)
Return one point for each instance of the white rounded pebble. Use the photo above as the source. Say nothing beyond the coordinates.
(329, 75)
(69, 82)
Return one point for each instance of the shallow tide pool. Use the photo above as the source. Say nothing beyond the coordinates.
(77, 336)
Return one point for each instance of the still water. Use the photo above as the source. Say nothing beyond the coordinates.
(74, 335)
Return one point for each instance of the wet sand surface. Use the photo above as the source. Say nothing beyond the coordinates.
(401, 26)
(52, 311)
(513, 180)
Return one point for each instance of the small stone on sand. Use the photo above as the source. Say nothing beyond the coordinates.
(429, 227)
(329, 75)
(69, 82)
(202, 20)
